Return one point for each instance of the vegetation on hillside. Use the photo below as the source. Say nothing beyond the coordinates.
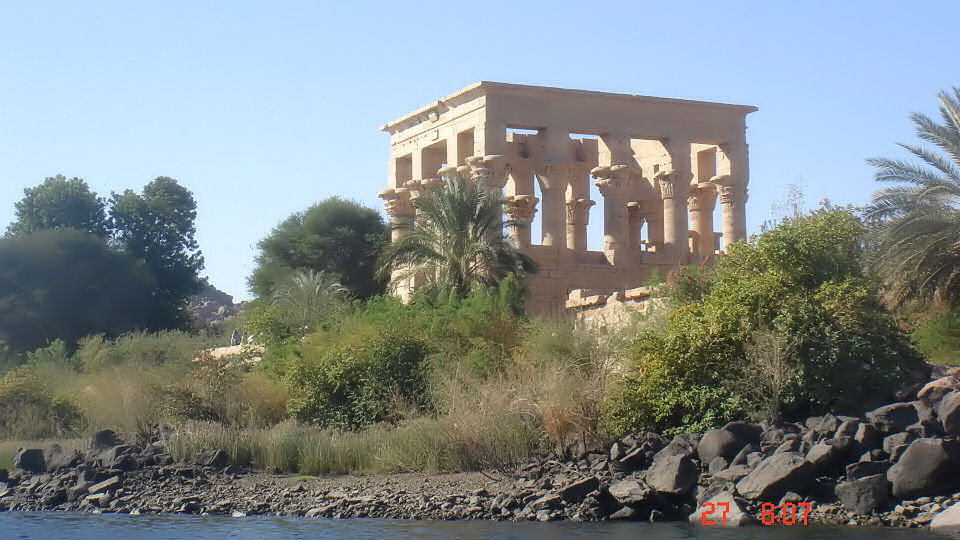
(71, 269)
(787, 325)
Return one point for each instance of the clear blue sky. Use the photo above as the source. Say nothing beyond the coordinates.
(263, 108)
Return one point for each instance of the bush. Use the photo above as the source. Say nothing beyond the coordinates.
(138, 348)
(360, 381)
(53, 355)
(29, 409)
(937, 335)
(804, 281)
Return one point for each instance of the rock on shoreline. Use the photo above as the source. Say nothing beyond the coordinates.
(898, 465)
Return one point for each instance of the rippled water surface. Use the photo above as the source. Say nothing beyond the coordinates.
(109, 526)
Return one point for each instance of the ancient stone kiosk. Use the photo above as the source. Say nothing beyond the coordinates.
(659, 164)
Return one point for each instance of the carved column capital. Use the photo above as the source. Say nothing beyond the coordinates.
(492, 170)
(672, 183)
(634, 210)
(730, 189)
(578, 211)
(614, 179)
(522, 208)
(421, 188)
(703, 198)
(398, 202)
(555, 175)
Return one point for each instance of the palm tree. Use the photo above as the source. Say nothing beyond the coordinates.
(918, 221)
(311, 295)
(456, 241)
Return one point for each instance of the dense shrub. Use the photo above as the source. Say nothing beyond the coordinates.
(138, 348)
(937, 335)
(29, 409)
(359, 381)
(803, 281)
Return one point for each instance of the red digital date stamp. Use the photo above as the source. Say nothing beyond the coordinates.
(788, 513)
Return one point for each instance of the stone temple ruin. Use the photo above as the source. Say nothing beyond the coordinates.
(659, 164)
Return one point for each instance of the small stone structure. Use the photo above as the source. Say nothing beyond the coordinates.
(660, 165)
(598, 309)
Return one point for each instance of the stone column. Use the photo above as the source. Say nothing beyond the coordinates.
(733, 201)
(422, 188)
(634, 223)
(652, 210)
(674, 188)
(492, 170)
(399, 208)
(554, 178)
(701, 203)
(578, 217)
(401, 211)
(614, 184)
(520, 210)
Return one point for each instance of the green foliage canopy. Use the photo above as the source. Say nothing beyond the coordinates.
(804, 281)
(157, 226)
(65, 284)
(338, 237)
(457, 241)
(59, 203)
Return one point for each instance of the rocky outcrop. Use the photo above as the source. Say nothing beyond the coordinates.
(211, 307)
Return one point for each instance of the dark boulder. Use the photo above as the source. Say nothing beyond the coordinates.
(215, 458)
(119, 457)
(927, 467)
(790, 445)
(629, 492)
(741, 457)
(894, 418)
(863, 495)
(30, 459)
(847, 429)
(719, 442)
(927, 424)
(775, 476)
(867, 438)
(829, 456)
(890, 442)
(823, 425)
(577, 491)
(745, 431)
(672, 475)
(56, 458)
(104, 439)
(948, 410)
(718, 464)
(862, 469)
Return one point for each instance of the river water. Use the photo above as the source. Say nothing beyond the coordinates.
(60, 526)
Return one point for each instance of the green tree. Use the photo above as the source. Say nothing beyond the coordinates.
(916, 223)
(789, 324)
(158, 227)
(457, 241)
(66, 284)
(340, 238)
(59, 203)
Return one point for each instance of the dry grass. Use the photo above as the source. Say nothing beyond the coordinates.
(424, 444)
